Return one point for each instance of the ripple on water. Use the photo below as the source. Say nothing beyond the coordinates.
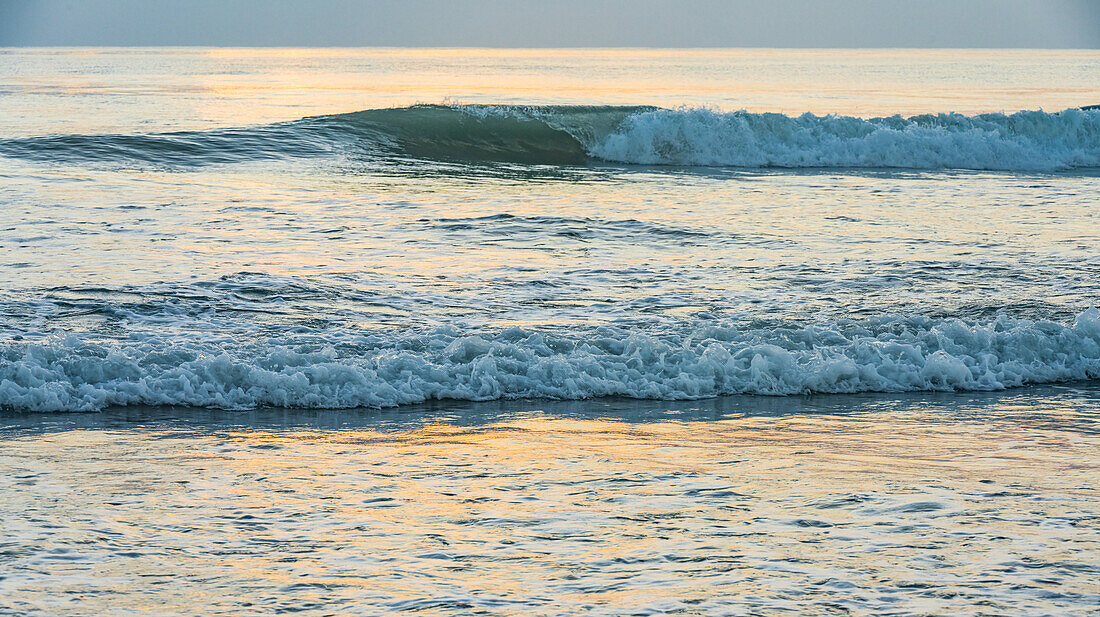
(872, 513)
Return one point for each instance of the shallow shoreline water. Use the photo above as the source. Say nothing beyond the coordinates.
(945, 504)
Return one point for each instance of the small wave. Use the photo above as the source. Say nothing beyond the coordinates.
(537, 228)
(175, 149)
(329, 370)
(576, 135)
(465, 134)
(546, 135)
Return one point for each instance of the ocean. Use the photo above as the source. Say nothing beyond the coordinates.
(620, 331)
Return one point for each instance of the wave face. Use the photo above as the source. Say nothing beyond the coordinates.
(469, 133)
(575, 135)
(358, 369)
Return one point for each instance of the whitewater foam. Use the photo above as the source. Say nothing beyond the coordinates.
(75, 373)
(1027, 140)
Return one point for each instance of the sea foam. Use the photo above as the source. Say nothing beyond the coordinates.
(1027, 140)
(323, 370)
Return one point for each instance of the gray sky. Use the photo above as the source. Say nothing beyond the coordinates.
(555, 23)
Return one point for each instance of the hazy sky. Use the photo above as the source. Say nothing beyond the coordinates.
(555, 23)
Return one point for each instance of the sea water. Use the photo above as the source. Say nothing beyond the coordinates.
(192, 237)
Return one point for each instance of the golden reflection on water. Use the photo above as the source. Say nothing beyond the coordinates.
(538, 515)
(202, 88)
(853, 445)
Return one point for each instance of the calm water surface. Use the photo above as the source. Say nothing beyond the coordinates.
(871, 505)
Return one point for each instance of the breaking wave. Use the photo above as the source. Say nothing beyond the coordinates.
(576, 135)
(1027, 140)
(326, 370)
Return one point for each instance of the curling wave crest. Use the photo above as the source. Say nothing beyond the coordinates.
(577, 135)
(349, 369)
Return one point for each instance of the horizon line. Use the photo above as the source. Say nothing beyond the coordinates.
(517, 47)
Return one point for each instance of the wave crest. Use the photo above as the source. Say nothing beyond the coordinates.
(1028, 140)
(575, 135)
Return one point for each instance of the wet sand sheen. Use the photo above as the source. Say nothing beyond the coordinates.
(529, 512)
